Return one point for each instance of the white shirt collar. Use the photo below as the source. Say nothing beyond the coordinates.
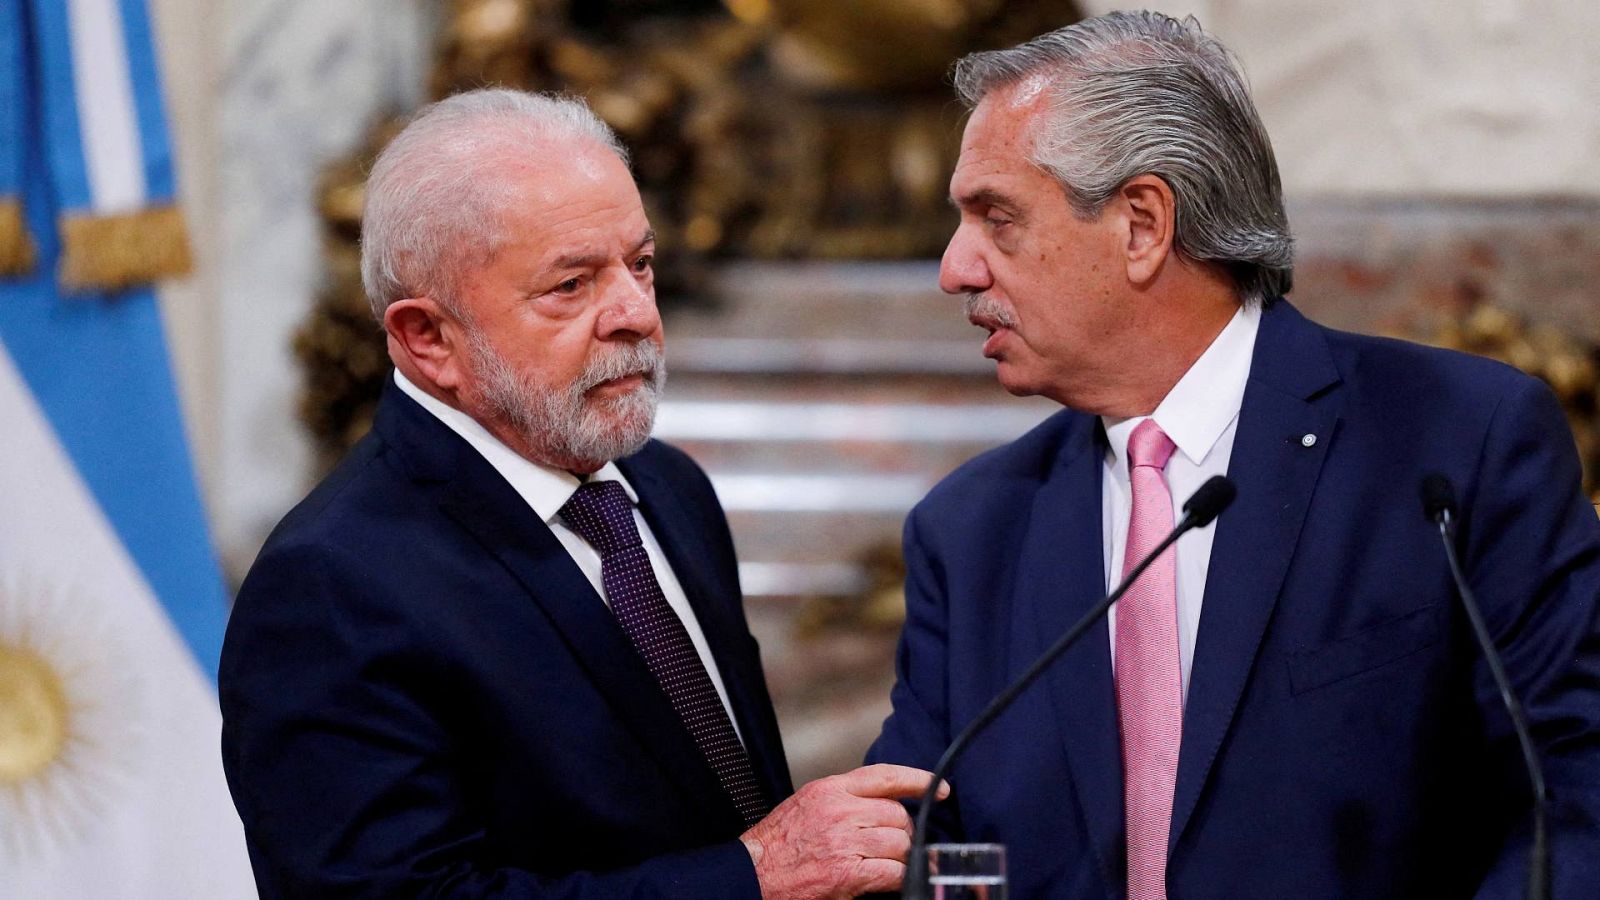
(1206, 400)
(544, 488)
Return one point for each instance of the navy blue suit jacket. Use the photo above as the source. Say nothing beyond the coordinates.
(1342, 737)
(423, 696)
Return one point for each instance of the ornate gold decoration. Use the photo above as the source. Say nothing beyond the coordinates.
(16, 247)
(758, 128)
(112, 252)
(880, 607)
(839, 45)
(34, 716)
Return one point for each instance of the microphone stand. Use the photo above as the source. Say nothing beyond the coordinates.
(1194, 516)
(1440, 510)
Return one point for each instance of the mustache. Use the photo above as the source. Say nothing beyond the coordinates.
(641, 358)
(981, 308)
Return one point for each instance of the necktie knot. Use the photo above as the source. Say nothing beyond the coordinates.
(1149, 446)
(601, 513)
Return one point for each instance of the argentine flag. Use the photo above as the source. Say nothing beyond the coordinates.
(111, 602)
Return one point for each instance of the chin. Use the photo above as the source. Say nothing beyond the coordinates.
(1016, 383)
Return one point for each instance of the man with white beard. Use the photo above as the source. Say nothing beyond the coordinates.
(500, 651)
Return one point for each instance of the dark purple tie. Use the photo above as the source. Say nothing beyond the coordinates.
(601, 513)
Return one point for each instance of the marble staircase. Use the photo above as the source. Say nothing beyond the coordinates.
(824, 400)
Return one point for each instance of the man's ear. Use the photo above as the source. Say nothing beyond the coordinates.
(1151, 215)
(428, 338)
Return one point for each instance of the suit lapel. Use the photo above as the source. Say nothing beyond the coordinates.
(1291, 393)
(715, 603)
(476, 497)
(1062, 575)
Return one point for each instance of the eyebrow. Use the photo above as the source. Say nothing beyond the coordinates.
(593, 260)
(983, 197)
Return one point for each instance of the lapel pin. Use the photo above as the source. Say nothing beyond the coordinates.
(1309, 440)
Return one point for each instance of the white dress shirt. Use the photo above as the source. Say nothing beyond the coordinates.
(1200, 415)
(546, 490)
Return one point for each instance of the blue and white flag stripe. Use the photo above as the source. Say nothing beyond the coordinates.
(12, 88)
(98, 367)
(133, 803)
(112, 605)
(113, 154)
(101, 94)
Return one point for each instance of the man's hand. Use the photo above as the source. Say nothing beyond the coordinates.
(839, 836)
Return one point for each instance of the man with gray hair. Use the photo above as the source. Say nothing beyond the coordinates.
(501, 651)
(1290, 702)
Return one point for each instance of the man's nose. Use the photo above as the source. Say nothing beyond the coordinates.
(963, 270)
(630, 308)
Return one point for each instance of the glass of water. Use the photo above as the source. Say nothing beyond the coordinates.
(967, 871)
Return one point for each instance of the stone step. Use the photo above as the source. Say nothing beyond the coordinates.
(751, 420)
(809, 487)
(855, 389)
(824, 400)
(847, 460)
(851, 356)
(833, 301)
(812, 537)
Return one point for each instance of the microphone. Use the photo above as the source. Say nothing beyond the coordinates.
(1438, 498)
(1439, 505)
(1205, 504)
(1199, 511)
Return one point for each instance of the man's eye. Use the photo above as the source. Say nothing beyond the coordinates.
(996, 221)
(642, 264)
(568, 286)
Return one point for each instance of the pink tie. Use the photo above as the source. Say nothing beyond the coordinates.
(1149, 690)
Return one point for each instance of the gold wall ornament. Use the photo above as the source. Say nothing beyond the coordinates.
(875, 44)
(766, 129)
(878, 608)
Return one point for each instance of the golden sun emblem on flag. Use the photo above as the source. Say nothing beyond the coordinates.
(68, 716)
(33, 714)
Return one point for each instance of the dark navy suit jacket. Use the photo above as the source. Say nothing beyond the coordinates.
(1342, 737)
(423, 696)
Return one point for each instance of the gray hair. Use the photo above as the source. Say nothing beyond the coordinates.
(429, 212)
(1135, 93)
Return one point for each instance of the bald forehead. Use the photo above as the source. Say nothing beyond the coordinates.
(506, 145)
(533, 172)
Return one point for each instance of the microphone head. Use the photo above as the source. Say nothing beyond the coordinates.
(1210, 500)
(1438, 496)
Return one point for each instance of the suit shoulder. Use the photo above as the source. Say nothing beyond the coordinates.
(1410, 388)
(1405, 366)
(1021, 464)
(339, 518)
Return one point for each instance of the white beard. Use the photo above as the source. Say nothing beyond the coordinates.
(565, 425)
